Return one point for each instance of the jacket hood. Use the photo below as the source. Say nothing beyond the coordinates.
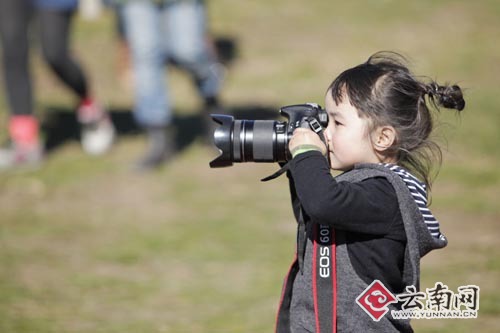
(418, 191)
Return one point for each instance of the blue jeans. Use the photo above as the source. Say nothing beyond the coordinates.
(155, 33)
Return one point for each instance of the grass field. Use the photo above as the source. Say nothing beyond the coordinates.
(86, 245)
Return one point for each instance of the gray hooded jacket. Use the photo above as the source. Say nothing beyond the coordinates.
(323, 298)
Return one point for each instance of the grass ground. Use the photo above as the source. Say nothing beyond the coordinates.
(88, 246)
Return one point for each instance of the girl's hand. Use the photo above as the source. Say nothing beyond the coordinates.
(307, 139)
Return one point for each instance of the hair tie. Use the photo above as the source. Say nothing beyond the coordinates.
(432, 89)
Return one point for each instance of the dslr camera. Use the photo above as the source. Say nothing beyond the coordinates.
(240, 140)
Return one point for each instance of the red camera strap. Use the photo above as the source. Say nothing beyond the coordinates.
(324, 284)
(324, 279)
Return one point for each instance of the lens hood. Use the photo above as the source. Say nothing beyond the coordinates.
(223, 136)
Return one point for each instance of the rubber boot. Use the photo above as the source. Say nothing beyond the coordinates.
(161, 148)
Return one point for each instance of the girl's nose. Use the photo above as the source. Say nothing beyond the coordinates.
(328, 135)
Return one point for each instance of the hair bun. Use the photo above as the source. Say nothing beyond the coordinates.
(450, 97)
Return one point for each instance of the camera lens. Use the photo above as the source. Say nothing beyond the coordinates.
(249, 141)
(263, 140)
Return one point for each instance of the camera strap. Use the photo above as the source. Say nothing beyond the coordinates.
(278, 173)
(324, 278)
(321, 272)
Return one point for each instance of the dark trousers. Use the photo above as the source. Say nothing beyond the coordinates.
(53, 27)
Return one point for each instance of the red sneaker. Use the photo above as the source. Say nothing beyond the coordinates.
(25, 149)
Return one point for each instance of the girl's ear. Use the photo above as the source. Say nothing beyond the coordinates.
(383, 138)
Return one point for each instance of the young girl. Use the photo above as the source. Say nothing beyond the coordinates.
(370, 226)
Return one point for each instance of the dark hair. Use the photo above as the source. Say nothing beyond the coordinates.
(384, 90)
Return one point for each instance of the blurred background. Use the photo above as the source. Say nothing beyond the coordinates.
(86, 245)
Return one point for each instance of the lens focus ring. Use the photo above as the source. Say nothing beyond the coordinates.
(263, 141)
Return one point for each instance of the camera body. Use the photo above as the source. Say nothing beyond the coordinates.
(240, 140)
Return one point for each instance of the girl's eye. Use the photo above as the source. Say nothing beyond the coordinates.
(337, 123)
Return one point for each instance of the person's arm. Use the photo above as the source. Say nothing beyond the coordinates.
(369, 206)
(293, 196)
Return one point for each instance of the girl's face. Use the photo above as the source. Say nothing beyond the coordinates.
(347, 135)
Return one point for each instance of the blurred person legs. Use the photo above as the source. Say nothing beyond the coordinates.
(191, 47)
(15, 19)
(188, 45)
(25, 148)
(97, 131)
(151, 110)
(174, 30)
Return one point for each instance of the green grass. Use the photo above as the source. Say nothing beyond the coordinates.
(88, 246)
